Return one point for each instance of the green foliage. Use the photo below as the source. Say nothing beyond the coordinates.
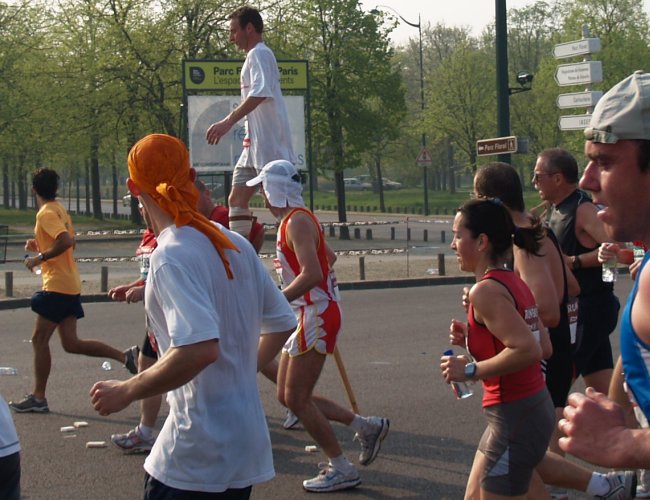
(82, 80)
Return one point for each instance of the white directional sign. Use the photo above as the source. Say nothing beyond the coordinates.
(579, 99)
(577, 48)
(496, 146)
(579, 73)
(574, 122)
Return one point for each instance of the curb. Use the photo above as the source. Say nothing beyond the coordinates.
(7, 304)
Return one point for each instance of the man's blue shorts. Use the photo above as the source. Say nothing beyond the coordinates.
(56, 307)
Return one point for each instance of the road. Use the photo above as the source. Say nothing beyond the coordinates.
(391, 346)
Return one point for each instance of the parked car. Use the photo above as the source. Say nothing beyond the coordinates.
(388, 184)
(355, 184)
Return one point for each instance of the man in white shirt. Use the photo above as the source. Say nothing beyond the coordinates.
(268, 135)
(208, 297)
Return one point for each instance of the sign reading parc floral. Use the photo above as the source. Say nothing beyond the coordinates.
(576, 48)
(496, 146)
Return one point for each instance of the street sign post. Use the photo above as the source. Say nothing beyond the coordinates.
(424, 158)
(577, 48)
(574, 122)
(496, 146)
(586, 99)
(579, 73)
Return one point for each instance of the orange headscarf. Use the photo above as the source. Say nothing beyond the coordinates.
(159, 165)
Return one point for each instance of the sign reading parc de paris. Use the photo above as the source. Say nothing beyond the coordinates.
(585, 73)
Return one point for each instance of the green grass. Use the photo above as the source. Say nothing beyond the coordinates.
(22, 221)
(408, 200)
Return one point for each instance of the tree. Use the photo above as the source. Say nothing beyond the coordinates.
(351, 72)
(461, 98)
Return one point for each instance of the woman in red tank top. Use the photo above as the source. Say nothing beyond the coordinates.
(502, 336)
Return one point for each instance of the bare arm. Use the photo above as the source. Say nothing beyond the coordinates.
(269, 346)
(302, 236)
(590, 232)
(217, 130)
(62, 242)
(177, 367)
(494, 307)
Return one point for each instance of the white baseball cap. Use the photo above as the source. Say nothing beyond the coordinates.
(282, 184)
(623, 113)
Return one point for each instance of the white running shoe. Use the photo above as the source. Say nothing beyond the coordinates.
(622, 485)
(643, 484)
(371, 440)
(331, 479)
(291, 421)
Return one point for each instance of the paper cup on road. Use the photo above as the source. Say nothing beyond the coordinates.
(96, 444)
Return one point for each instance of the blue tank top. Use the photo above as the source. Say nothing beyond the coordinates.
(636, 353)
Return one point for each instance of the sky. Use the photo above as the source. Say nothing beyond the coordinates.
(473, 13)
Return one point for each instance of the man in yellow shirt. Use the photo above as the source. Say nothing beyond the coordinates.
(58, 304)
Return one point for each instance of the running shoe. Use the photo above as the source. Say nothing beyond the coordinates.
(331, 479)
(622, 485)
(30, 403)
(133, 442)
(643, 484)
(291, 421)
(370, 440)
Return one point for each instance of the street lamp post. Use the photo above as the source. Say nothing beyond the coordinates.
(425, 179)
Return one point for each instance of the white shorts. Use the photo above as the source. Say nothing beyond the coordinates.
(318, 328)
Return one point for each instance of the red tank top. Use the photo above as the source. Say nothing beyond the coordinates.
(482, 344)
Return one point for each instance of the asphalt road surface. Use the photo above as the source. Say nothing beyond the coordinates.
(391, 347)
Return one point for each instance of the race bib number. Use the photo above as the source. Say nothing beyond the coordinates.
(277, 265)
(572, 309)
(531, 315)
(335, 286)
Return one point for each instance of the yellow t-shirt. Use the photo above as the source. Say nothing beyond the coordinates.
(60, 273)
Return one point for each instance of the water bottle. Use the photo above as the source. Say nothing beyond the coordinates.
(8, 370)
(461, 389)
(35, 269)
(609, 271)
(638, 251)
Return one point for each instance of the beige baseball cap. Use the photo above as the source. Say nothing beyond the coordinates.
(623, 113)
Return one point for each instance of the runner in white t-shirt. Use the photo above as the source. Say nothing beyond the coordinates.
(268, 135)
(208, 297)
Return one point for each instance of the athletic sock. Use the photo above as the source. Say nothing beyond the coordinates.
(241, 220)
(145, 431)
(341, 463)
(358, 424)
(598, 485)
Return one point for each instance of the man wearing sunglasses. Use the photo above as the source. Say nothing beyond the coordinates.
(573, 219)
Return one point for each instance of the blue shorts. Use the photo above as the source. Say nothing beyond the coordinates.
(56, 307)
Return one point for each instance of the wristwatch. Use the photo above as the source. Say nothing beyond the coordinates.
(41, 256)
(470, 370)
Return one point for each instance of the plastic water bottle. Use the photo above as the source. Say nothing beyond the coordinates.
(461, 389)
(639, 252)
(610, 272)
(35, 269)
(8, 370)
